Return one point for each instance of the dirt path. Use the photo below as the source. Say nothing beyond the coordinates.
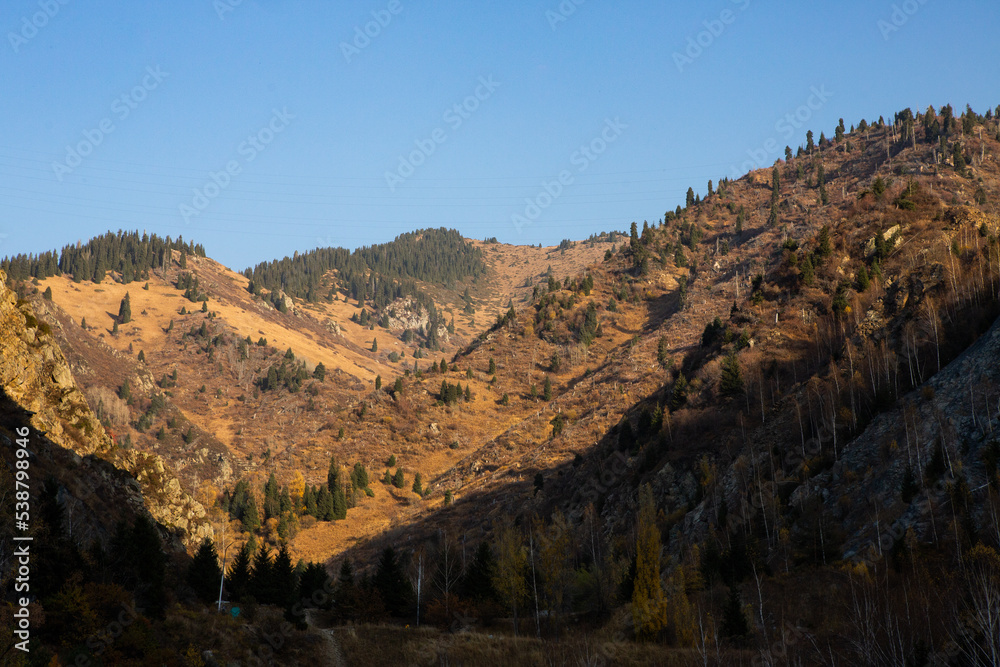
(335, 654)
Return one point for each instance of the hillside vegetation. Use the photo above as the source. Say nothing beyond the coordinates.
(760, 429)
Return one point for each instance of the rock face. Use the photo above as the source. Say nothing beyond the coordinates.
(407, 314)
(35, 375)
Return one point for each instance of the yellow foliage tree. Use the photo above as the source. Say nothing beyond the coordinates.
(296, 490)
(649, 606)
(508, 577)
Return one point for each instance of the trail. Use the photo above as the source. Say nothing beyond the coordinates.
(336, 654)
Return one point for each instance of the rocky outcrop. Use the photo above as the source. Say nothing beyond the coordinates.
(35, 375)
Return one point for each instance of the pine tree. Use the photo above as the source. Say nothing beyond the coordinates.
(649, 608)
(272, 505)
(378, 382)
(324, 505)
(662, 351)
(204, 572)
(398, 480)
(309, 501)
(547, 389)
(392, 584)
(417, 486)
(238, 576)
(320, 372)
(374, 344)
(824, 247)
(478, 581)
(313, 584)
(338, 502)
(283, 579)
(251, 518)
(731, 383)
(262, 576)
(808, 274)
(493, 367)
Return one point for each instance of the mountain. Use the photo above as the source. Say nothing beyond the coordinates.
(761, 428)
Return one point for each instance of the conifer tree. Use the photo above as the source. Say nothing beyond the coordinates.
(731, 383)
(398, 480)
(547, 389)
(283, 579)
(417, 486)
(251, 518)
(262, 576)
(392, 584)
(204, 572)
(338, 503)
(309, 501)
(238, 577)
(324, 505)
(478, 580)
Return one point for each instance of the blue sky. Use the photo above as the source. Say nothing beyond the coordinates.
(251, 128)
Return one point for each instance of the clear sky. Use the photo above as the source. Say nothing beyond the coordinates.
(262, 127)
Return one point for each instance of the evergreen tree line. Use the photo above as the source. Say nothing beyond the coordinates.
(131, 255)
(325, 502)
(380, 273)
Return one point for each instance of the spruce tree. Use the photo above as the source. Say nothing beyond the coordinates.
(238, 576)
(262, 586)
(478, 581)
(204, 572)
(251, 517)
(547, 389)
(283, 579)
(398, 480)
(392, 584)
(324, 505)
(417, 486)
(732, 380)
(272, 506)
(338, 503)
